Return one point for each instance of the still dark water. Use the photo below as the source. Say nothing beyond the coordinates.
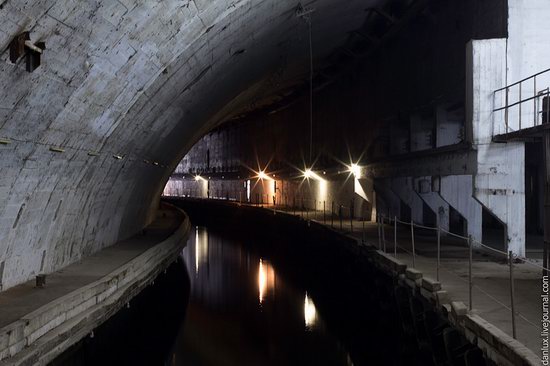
(244, 311)
(249, 302)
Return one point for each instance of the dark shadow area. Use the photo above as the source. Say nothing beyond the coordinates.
(143, 332)
(457, 223)
(493, 231)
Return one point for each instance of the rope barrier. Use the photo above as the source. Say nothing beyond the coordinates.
(530, 262)
(490, 248)
(425, 227)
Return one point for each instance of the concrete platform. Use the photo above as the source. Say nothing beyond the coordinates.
(37, 324)
(491, 298)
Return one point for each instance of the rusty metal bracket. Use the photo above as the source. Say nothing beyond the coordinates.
(21, 45)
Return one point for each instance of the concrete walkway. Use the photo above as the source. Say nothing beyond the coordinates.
(21, 300)
(491, 297)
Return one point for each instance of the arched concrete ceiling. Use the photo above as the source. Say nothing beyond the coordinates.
(139, 79)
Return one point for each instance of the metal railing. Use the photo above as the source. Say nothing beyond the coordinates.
(472, 246)
(521, 105)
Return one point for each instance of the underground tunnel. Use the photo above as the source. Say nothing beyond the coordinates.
(274, 182)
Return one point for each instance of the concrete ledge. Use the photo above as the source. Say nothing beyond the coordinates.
(497, 345)
(413, 274)
(390, 264)
(430, 285)
(43, 334)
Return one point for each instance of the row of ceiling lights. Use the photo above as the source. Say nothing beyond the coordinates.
(307, 173)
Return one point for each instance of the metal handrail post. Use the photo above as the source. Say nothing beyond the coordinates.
(520, 105)
(363, 232)
(340, 214)
(512, 294)
(324, 213)
(470, 282)
(534, 101)
(332, 215)
(438, 251)
(379, 235)
(395, 236)
(506, 110)
(412, 242)
(383, 233)
(350, 220)
(315, 214)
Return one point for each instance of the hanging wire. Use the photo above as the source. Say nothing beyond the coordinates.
(305, 14)
(310, 92)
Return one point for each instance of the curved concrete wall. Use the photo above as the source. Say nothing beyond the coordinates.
(139, 80)
(40, 336)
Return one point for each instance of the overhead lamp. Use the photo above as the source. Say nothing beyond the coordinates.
(5, 141)
(310, 174)
(56, 149)
(355, 169)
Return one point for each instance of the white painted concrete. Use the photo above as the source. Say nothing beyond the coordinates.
(457, 191)
(434, 201)
(500, 180)
(143, 80)
(403, 187)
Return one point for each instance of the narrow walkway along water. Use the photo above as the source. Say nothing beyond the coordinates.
(249, 295)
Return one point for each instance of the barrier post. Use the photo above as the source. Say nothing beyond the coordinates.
(395, 236)
(324, 213)
(340, 214)
(351, 219)
(470, 282)
(438, 251)
(512, 294)
(378, 227)
(412, 244)
(383, 233)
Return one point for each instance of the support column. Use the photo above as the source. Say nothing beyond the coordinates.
(499, 184)
(457, 191)
(387, 202)
(432, 198)
(364, 197)
(403, 188)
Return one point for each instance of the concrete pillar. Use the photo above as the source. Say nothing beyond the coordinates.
(364, 197)
(387, 202)
(500, 180)
(457, 191)
(404, 189)
(431, 197)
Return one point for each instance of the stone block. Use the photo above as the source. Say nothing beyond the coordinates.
(430, 284)
(413, 274)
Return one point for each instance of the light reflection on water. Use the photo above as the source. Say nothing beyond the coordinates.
(310, 312)
(266, 280)
(201, 248)
(249, 313)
